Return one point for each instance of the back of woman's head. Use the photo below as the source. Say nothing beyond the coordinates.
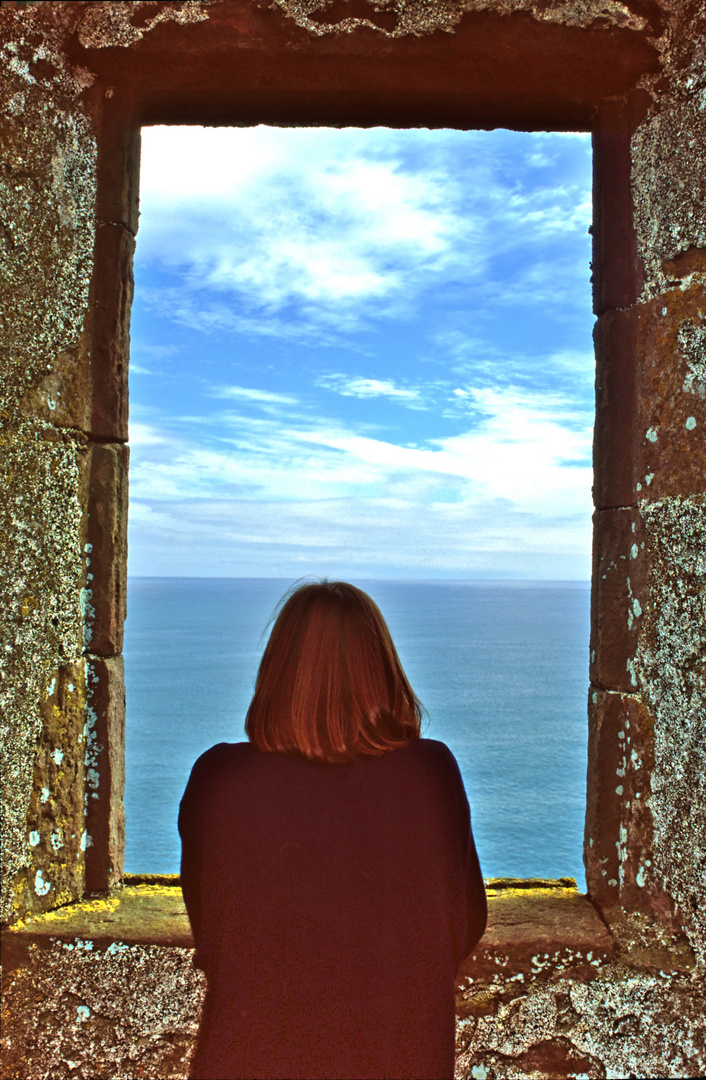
(330, 684)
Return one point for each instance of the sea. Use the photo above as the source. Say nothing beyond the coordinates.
(501, 668)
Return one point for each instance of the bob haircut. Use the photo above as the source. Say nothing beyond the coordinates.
(330, 685)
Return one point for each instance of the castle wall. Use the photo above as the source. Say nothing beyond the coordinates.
(77, 81)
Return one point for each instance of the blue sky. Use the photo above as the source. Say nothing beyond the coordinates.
(362, 353)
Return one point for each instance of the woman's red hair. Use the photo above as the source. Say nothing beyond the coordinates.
(330, 684)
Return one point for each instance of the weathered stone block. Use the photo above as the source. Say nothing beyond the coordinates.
(107, 537)
(116, 1013)
(111, 297)
(55, 836)
(651, 399)
(105, 772)
(63, 396)
(618, 270)
(620, 569)
(669, 149)
(542, 933)
(620, 1024)
(43, 478)
(671, 669)
(118, 166)
(619, 849)
(47, 204)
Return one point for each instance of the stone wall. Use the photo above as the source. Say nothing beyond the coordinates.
(77, 81)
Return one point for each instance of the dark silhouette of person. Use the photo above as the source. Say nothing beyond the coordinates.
(328, 864)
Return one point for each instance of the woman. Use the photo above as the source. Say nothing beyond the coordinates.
(328, 865)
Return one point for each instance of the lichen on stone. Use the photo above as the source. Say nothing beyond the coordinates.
(669, 148)
(122, 24)
(41, 525)
(692, 342)
(671, 666)
(424, 17)
(622, 1023)
(47, 201)
(116, 1012)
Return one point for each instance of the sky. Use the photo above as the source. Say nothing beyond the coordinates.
(362, 353)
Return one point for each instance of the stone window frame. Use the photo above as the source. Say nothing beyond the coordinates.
(84, 76)
(274, 70)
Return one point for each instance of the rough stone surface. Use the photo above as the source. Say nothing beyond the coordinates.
(398, 18)
(651, 399)
(670, 664)
(47, 198)
(106, 988)
(110, 331)
(55, 817)
(47, 189)
(119, 1012)
(105, 772)
(42, 534)
(669, 148)
(620, 565)
(623, 1023)
(106, 585)
(139, 912)
(623, 876)
(121, 24)
(145, 925)
(533, 933)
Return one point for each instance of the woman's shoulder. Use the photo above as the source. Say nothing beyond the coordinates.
(223, 757)
(433, 750)
(428, 756)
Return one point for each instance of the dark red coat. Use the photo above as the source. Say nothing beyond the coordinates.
(331, 906)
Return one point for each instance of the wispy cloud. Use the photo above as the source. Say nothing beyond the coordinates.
(531, 453)
(357, 386)
(247, 393)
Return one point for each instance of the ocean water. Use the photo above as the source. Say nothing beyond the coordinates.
(501, 667)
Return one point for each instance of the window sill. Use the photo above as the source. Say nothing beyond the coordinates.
(536, 930)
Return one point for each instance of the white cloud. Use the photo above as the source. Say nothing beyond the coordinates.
(276, 219)
(245, 393)
(357, 386)
(367, 537)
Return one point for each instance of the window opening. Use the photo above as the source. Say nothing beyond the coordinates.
(366, 354)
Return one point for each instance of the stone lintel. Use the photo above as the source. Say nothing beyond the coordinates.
(251, 63)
